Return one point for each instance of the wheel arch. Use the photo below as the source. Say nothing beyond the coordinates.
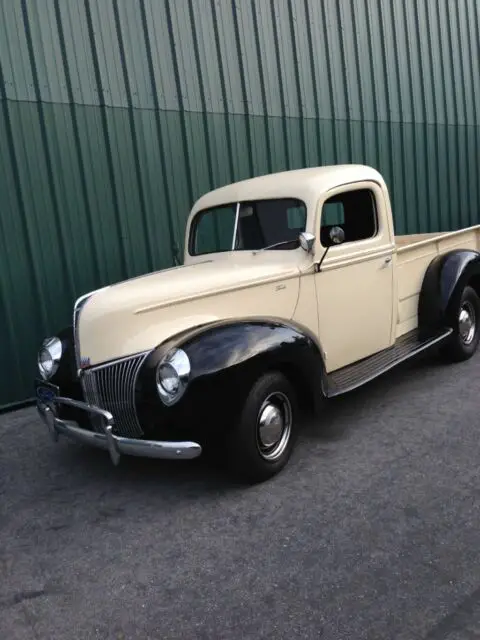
(474, 282)
(304, 388)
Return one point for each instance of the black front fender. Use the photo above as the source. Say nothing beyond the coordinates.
(226, 357)
(258, 345)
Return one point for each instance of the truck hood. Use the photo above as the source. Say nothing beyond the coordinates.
(138, 314)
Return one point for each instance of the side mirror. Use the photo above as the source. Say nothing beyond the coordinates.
(307, 241)
(337, 235)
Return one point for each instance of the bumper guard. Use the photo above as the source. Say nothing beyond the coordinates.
(115, 445)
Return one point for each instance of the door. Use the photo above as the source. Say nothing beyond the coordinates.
(355, 285)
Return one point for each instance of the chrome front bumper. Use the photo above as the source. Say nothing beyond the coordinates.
(115, 445)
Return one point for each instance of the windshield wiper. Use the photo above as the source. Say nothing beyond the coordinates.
(277, 244)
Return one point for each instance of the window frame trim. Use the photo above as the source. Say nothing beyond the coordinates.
(347, 188)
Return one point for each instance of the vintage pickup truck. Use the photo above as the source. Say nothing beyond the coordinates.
(294, 288)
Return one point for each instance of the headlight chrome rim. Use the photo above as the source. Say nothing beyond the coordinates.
(174, 366)
(49, 356)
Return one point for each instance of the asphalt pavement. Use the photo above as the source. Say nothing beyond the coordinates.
(372, 531)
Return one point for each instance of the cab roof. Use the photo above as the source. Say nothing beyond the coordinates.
(304, 184)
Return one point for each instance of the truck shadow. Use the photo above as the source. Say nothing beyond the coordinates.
(192, 478)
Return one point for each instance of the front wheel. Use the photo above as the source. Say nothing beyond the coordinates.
(463, 342)
(263, 438)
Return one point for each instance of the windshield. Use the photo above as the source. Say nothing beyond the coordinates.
(247, 226)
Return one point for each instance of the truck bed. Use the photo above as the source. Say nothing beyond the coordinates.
(405, 241)
(414, 254)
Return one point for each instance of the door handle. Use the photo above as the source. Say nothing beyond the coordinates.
(387, 261)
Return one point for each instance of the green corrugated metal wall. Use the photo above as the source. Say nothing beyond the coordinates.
(115, 115)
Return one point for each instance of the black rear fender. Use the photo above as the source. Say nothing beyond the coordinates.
(445, 278)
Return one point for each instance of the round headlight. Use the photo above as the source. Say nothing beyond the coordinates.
(172, 376)
(169, 379)
(49, 357)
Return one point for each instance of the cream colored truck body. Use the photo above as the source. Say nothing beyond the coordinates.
(363, 299)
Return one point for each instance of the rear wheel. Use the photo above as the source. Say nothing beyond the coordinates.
(463, 342)
(263, 438)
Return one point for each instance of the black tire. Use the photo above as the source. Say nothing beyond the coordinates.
(463, 342)
(248, 460)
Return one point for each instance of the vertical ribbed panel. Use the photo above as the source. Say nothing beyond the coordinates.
(116, 115)
(414, 61)
(113, 388)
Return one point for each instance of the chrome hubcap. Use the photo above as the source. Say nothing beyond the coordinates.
(274, 426)
(466, 322)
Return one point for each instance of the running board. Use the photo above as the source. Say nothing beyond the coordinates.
(358, 373)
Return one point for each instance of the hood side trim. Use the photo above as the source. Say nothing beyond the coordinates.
(203, 294)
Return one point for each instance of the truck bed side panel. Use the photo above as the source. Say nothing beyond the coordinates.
(413, 258)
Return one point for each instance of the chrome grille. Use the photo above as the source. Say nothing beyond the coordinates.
(112, 387)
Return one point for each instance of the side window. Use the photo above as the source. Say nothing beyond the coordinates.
(333, 214)
(354, 212)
